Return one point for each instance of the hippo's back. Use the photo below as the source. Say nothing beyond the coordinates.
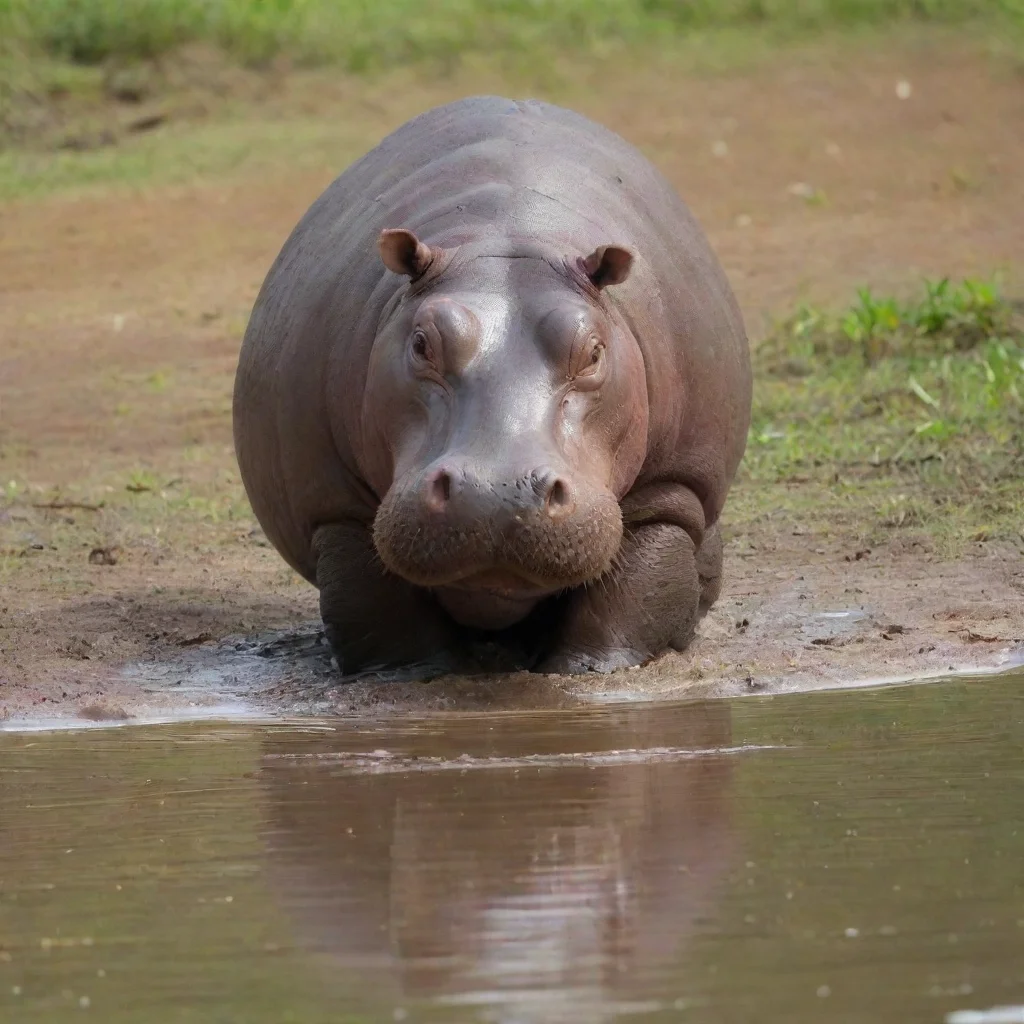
(487, 166)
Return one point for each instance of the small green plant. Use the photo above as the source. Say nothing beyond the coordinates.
(870, 323)
(141, 482)
(157, 382)
(964, 316)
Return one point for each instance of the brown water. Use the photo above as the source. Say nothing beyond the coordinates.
(843, 857)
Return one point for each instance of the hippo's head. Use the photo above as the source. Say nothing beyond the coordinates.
(506, 402)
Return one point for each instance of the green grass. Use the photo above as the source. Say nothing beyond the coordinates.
(360, 34)
(185, 152)
(70, 70)
(893, 414)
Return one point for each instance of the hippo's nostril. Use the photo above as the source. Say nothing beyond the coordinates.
(555, 492)
(438, 491)
(558, 495)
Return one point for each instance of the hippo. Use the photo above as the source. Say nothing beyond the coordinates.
(496, 385)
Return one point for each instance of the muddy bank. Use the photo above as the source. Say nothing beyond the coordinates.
(784, 623)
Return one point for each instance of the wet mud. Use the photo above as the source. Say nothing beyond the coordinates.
(772, 632)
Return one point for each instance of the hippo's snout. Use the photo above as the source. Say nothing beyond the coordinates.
(489, 530)
(462, 494)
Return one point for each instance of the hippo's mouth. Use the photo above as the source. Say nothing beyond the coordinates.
(491, 598)
(504, 583)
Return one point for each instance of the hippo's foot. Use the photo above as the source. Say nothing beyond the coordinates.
(578, 662)
(377, 624)
(386, 670)
(649, 603)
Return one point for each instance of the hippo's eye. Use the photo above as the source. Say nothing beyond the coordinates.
(426, 352)
(423, 350)
(592, 360)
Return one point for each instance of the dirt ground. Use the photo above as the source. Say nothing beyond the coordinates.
(129, 561)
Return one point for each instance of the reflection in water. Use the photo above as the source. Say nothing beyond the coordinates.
(546, 887)
(855, 859)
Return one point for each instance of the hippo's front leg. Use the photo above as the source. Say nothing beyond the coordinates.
(650, 601)
(374, 620)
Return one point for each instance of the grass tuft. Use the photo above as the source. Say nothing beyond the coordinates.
(946, 319)
(913, 410)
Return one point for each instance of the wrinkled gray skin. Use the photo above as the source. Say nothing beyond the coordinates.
(496, 383)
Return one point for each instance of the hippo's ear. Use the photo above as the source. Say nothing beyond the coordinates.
(608, 264)
(403, 253)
